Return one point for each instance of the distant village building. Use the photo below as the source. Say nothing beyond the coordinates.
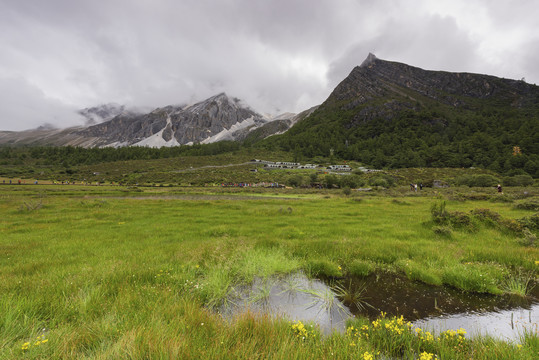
(296, 165)
(285, 164)
(339, 168)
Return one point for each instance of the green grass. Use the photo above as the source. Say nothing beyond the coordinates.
(100, 275)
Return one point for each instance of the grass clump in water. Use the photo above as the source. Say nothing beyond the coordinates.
(419, 272)
(472, 278)
(323, 267)
(518, 283)
(361, 268)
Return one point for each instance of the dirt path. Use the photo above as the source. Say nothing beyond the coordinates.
(211, 167)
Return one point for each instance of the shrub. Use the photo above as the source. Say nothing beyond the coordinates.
(529, 239)
(382, 180)
(295, 181)
(486, 215)
(378, 181)
(439, 213)
(442, 231)
(473, 196)
(530, 204)
(518, 180)
(460, 219)
(512, 225)
(454, 218)
(502, 198)
(331, 181)
(530, 222)
(482, 180)
(351, 181)
(346, 191)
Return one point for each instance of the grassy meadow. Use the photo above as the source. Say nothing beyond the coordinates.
(111, 272)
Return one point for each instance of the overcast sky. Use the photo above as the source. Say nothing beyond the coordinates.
(58, 56)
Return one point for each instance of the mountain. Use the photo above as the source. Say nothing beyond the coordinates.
(215, 119)
(389, 114)
(99, 114)
(278, 125)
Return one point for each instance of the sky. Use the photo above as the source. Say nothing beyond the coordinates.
(59, 56)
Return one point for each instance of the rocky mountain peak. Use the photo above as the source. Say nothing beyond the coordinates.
(369, 60)
(101, 113)
(377, 78)
(217, 118)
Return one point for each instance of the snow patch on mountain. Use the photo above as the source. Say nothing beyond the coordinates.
(227, 134)
(157, 140)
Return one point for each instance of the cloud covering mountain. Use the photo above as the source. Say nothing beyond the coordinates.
(59, 56)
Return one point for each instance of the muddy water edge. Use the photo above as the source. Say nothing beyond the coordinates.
(438, 308)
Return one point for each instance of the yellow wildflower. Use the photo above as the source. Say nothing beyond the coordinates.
(367, 356)
(426, 356)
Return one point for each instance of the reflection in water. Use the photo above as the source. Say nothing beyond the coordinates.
(430, 307)
(294, 297)
(503, 325)
(437, 308)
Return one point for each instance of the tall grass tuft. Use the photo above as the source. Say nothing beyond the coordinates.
(518, 283)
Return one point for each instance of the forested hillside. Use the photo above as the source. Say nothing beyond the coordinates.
(391, 115)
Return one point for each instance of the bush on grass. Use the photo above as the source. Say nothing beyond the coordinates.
(518, 180)
(529, 239)
(482, 180)
(444, 231)
(530, 222)
(529, 204)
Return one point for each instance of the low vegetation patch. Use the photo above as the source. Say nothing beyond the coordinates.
(361, 268)
(98, 273)
(528, 204)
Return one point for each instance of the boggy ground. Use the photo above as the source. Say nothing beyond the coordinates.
(93, 272)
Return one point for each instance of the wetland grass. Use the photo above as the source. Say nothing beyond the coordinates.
(104, 278)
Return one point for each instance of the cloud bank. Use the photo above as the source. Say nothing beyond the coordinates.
(282, 55)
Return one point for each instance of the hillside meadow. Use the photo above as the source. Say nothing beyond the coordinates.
(113, 272)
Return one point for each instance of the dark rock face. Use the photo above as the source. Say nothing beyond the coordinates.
(379, 89)
(377, 78)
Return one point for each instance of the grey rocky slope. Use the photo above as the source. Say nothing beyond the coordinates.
(215, 119)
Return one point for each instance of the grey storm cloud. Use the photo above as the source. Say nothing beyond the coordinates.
(282, 55)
